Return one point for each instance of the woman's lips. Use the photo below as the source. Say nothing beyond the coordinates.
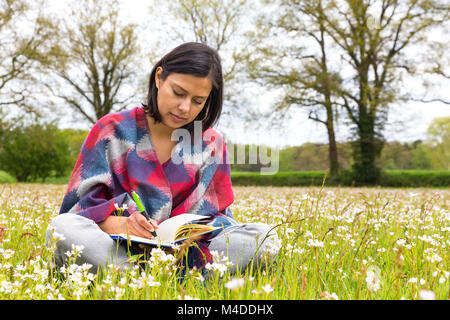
(177, 118)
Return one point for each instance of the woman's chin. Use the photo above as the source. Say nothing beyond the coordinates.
(174, 125)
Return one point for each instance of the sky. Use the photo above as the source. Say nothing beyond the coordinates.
(414, 117)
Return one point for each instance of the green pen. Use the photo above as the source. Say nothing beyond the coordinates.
(141, 208)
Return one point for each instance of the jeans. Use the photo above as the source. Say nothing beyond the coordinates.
(244, 244)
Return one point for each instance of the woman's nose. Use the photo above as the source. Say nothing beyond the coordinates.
(185, 105)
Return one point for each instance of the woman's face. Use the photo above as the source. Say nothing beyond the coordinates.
(181, 97)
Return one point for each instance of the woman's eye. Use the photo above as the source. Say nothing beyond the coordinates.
(181, 95)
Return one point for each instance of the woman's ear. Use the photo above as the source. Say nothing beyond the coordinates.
(158, 76)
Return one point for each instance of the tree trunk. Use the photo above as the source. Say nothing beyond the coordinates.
(366, 150)
(332, 146)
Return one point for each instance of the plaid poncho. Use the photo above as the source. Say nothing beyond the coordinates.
(118, 157)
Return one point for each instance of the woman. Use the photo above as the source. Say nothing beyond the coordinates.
(134, 150)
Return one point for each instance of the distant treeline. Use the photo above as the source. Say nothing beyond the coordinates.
(314, 157)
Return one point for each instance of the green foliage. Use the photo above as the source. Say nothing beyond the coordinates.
(312, 157)
(6, 177)
(438, 138)
(405, 156)
(420, 158)
(415, 178)
(74, 139)
(34, 152)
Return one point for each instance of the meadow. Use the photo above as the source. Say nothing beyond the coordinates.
(335, 243)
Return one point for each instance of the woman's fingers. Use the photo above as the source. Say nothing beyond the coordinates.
(154, 223)
(144, 222)
(139, 226)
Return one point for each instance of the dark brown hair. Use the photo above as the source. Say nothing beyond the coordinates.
(195, 59)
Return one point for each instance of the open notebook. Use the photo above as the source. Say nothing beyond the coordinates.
(172, 231)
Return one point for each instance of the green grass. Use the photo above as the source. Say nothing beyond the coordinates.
(345, 243)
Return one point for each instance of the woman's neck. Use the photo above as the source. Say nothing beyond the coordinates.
(159, 130)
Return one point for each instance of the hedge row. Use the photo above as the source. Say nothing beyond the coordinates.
(390, 178)
(415, 178)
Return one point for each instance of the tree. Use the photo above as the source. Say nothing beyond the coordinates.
(405, 156)
(438, 138)
(374, 37)
(395, 155)
(94, 60)
(420, 159)
(38, 149)
(74, 139)
(22, 50)
(312, 156)
(436, 73)
(219, 24)
(302, 66)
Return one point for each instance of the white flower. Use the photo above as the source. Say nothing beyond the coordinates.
(314, 243)
(58, 236)
(8, 253)
(145, 280)
(186, 297)
(372, 280)
(216, 267)
(200, 278)
(401, 242)
(293, 249)
(159, 256)
(273, 247)
(267, 288)
(427, 295)
(117, 291)
(235, 283)
(221, 263)
(329, 296)
(76, 251)
(412, 280)
(434, 258)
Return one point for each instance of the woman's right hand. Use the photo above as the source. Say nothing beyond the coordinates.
(139, 226)
(135, 224)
